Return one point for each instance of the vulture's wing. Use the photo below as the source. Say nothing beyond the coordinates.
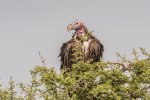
(66, 52)
(95, 51)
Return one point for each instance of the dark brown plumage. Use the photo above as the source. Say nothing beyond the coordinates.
(91, 48)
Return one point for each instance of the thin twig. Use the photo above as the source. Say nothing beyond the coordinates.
(43, 59)
(124, 68)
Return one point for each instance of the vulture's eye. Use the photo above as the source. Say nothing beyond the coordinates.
(77, 23)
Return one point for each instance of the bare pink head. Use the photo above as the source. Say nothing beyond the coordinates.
(78, 26)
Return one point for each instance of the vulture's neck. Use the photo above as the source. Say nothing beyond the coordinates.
(82, 35)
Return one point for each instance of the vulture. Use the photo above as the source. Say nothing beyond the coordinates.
(90, 48)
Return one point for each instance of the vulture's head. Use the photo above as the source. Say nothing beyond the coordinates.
(79, 28)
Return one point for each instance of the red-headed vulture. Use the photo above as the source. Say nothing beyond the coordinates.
(90, 47)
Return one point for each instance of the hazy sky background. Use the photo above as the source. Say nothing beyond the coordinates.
(30, 26)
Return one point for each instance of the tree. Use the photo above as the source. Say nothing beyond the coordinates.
(122, 80)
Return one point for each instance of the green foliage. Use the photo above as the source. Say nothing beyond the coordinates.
(122, 80)
(9, 93)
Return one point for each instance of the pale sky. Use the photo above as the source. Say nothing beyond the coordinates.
(30, 26)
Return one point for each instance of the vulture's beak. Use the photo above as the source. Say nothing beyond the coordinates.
(69, 27)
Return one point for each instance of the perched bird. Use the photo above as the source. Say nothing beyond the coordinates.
(90, 47)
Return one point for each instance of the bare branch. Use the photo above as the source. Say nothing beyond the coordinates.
(43, 59)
